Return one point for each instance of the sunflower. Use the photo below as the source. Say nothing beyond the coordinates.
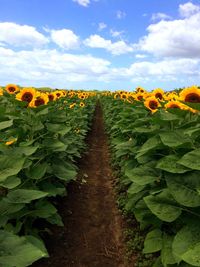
(139, 96)
(1, 91)
(152, 103)
(12, 88)
(140, 89)
(10, 142)
(72, 105)
(116, 96)
(175, 104)
(40, 99)
(82, 105)
(26, 94)
(190, 94)
(51, 96)
(158, 93)
(123, 96)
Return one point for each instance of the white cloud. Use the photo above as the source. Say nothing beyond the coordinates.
(65, 38)
(120, 14)
(20, 35)
(175, 38)
(160, 16)
(84, 3)
(116, 48)
(116, 34)
(102, 26)
(140, 56)
(188, 9)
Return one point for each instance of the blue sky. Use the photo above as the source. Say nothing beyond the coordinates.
(100, 44)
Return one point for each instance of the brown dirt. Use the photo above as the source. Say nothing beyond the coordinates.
(92, 236)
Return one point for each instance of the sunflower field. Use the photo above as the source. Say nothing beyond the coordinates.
(155, 144)
(41, 136)
(155, 141)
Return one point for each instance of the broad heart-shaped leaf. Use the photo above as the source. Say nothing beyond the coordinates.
(9, 208)
(142, 175)
(37, 171)
(163, 206)
(24, 195)
(152, 143)
(169, 164)
(64, 171)
(184, 188)
(135, 188)
(10, 165)
(20, 251)
(43, 209)
(174, 139)
(153, 241)
(53, 189)
(27, 150)
(11, 182)
(5, 124)
(186, 245)
(58, 128)
(167, 256)
(191, 160)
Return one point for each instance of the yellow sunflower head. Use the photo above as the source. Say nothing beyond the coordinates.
(39, 100)
(175, 104)
(72, 105)
(51, 96)
(1, 91)
(140, 89)
(82, 105)
(158, 93)
(190, 94)
(152, 103)
(12, 88)
(26, 94)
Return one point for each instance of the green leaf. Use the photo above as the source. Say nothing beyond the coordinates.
(43, 209)
(10, 165)
(169, 164)
(24, 195)
(174, 139)
(11, 182)
(163, 206)
(135, 188)
(9, 208)
(27, 150)
(58, 128)
(20, 251)
(167, 256)
(152, 143)
(55, 219)
(37, 171)
(191, 160)
(184, 188)
(5, 124)
(142, 175)
(64, 171)
(153, 241)
(186, 245)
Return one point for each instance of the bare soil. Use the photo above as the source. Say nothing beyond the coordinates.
(92, 236)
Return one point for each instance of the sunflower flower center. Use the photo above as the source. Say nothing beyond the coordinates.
(174, 106)
(153, 105)
(11, 89)
(159, 95)
(39, 102)
(51, 97)
(193, 98)
(27, 97)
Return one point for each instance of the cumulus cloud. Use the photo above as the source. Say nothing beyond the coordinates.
(116, 48)
(116, 34)
(188, 9)
(175, 38)
(20, 35)
(65, 38)
(160, 16)
(84, 3)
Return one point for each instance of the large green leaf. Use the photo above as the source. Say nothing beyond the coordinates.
(18, 251)
(163, 206)
(24, 195)
(167, 256)
(191, 160)
(152, 143)
(186, 245)
(37, 171)
(64, 171)
(58, 128)
(9, 208)
(153, 241)
(142, 175)
(11, 182)
(184, 188)
(10, 165)
(174, 139)
(169, 164)
(5, 124)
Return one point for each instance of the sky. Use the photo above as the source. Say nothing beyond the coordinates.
(100, 44)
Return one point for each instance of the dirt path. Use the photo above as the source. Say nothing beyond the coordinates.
(92, 236)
